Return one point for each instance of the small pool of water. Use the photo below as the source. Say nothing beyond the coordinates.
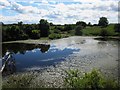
(28, 56)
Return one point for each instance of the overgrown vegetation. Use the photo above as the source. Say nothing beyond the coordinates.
(45, 29)
(94, 80)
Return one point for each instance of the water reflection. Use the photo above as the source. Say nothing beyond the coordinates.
(22, 47)
(107, 39)
(36, 55)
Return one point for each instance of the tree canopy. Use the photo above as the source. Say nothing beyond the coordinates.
(103, 22)
(44, 28)
(81, 23)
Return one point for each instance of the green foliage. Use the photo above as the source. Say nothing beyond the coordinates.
(81, 23)
(96, 30)
(72, 78)
(93, 79)
(89, 24)
(53, 30)
(78, 30)
(22, 31)
(59, 27)
(54, 36)
(44, 28)
(68, 27)
(35, 34)
(104, 33)
(103, 22)
(117, 28)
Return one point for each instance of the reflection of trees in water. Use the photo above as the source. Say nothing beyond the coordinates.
(22, 47)
(44, 48)
(10, 65)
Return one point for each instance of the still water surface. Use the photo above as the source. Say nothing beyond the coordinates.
(36, 55)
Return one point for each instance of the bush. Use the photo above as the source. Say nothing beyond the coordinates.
(78, 30)
(35, 34)
(104, 33)
(54, 36)
(92, 80)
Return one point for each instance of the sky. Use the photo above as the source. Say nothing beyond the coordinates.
(58, 11)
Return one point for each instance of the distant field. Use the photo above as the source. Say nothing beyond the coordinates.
(95, 30)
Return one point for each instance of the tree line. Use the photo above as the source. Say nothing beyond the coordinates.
(22, 31)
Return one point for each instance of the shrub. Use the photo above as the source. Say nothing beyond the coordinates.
(104, 33)
(54, 36)
(35, 34)
(78, 30)
(92, 80)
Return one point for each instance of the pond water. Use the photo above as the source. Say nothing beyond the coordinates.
(39, 56)
(29, 56)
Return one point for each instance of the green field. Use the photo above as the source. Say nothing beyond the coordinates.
(96, 30)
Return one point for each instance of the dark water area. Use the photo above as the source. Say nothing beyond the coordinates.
(28, 56)
(107, 39)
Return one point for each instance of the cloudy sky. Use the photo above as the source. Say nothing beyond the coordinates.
(58, 11)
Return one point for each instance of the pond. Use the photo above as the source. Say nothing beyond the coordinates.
(29, 56)
(78, 52)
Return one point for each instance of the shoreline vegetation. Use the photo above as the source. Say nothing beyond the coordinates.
(49, 31)
(72, 78)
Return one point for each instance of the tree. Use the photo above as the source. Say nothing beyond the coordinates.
(103, 22)
(20, 24)
(89, 24)
(67, 27)
(81, 23)
(44, 28)
(117, 27)
(78, 30)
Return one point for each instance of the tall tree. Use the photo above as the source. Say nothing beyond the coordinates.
(89, 24)
(78, 30)
(103, 22)
(81, 23)
(44, 28)
(20, 24)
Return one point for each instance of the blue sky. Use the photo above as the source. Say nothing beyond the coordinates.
(58, 11)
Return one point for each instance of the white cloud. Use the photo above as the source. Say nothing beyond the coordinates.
(87, 10)
(44, 1)
(4, 3)
(21, 17)
(24, 9)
